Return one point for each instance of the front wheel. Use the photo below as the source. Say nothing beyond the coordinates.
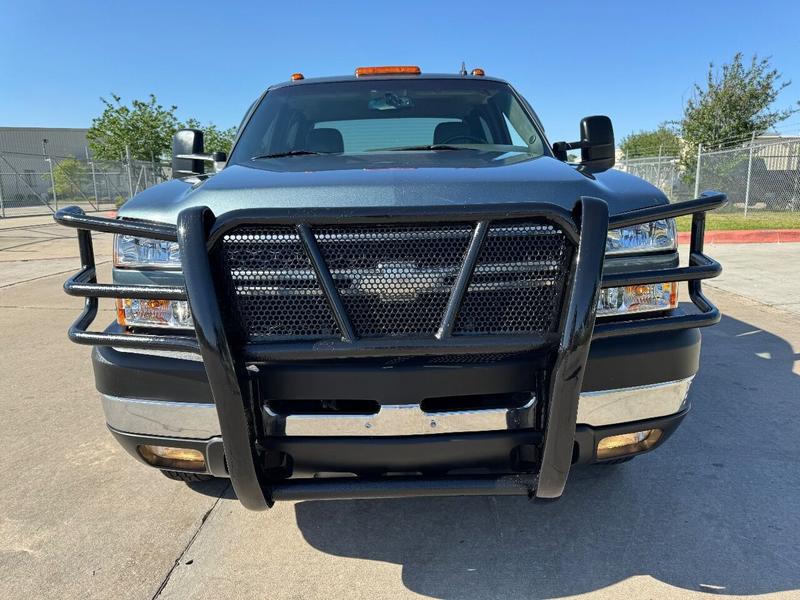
(187, 477)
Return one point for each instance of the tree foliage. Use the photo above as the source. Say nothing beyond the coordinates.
(146, 127)
(68, 174)
(214, 138)
(734, 103)
(655, 142)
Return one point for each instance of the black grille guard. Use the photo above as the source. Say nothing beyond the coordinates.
(198, 230)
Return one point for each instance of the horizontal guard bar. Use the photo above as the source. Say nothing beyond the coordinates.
(113, 336)
(362, 348)
(351, 488)
(700, 267)
(82, 284)
(73, 216)
(707, 201)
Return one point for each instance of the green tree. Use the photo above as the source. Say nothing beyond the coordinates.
(733, 104)
(214, 138)
(68, 175)
(146, 127)
(655, 142)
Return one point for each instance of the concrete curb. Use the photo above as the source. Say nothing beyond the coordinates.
(747, 236)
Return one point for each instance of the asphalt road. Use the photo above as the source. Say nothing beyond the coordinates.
(716, 510)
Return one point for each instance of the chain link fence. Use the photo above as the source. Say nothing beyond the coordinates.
(32, 184)
(758, 177)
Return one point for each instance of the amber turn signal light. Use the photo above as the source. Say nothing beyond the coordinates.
(405, 70)
(165, 457)
(624, 444)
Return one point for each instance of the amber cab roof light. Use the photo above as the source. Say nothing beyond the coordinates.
(478, 73)
(297, 76)
(404, 70)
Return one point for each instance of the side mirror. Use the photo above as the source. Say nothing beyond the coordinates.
(186, 145)
(596, 145)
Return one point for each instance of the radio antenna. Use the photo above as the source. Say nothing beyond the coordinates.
(463, 71)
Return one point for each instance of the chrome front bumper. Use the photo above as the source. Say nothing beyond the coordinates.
(199, 421)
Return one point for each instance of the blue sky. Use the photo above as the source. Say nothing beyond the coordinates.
(634, 61)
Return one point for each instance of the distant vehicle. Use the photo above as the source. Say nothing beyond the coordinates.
(394, 286)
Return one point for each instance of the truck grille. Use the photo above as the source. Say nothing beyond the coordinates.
(394, 280)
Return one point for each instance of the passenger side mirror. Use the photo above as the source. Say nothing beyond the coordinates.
(596, 145)
(186, 145)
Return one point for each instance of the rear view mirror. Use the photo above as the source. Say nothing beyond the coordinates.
(186, 145)
(596, 145)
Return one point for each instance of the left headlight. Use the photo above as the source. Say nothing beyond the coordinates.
(144, 253)
(136, 253)
(656, 236)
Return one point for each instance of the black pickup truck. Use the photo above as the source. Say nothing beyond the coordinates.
(394, 286)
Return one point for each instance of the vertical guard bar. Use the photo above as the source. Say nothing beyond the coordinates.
(567, 375)
(462, 281)
(238, 435)
(326, 281)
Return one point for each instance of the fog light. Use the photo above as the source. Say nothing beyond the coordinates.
(164, 457)
(627, 443)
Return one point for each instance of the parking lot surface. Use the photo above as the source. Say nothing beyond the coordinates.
(715, 511)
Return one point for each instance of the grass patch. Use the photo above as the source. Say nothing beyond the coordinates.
(754, 220)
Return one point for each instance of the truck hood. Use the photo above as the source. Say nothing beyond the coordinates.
(392, 179)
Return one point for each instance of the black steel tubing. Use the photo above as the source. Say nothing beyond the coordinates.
(566, 377)
(326, 281)
(238, 431)
(73, 216)
(462, 281)
(366, 347)
(700, 267)
(707, 201)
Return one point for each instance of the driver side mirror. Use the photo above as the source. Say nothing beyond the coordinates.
(596, 145)
(188, 157)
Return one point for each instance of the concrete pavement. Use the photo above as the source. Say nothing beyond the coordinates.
(714, 511)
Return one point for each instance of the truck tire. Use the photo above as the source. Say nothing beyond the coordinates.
(187, 477)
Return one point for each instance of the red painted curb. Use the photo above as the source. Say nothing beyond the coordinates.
(747, 236)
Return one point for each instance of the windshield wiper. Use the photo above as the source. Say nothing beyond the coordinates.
(425, 147)
(288, 153)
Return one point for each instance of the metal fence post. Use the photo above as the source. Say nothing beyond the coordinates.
(697, 171)
(2, 205)
(749, 172)
(94, 178)
(130, 175)
(49, 161)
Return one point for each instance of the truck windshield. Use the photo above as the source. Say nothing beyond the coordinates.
(382, 115)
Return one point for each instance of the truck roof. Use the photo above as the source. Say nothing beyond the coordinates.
(339, 78)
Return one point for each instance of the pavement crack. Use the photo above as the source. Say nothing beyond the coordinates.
(186, 548)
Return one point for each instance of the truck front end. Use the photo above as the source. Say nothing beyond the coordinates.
(415, 345)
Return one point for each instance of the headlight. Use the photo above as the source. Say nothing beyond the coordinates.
(647, 237)
(137, 252)
(174, 314)
(637, 298)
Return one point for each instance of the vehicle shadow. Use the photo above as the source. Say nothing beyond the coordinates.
(716, 509)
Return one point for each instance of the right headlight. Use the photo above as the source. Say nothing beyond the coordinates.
(656, 236)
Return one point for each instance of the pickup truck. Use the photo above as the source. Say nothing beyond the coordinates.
(394, 285)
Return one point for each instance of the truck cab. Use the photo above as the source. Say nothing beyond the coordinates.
(395, 286)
